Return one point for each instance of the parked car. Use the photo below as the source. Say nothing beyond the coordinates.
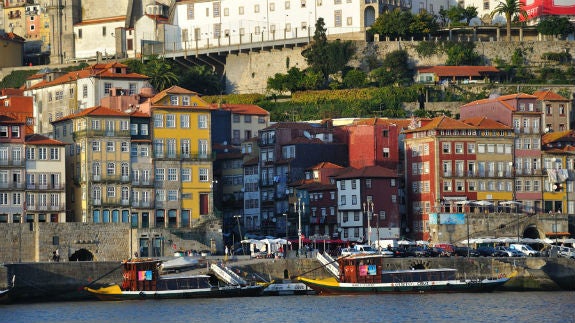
(438, 252)
(508, 252)
(417, 252)
(464, 251)
(398, 252)
(487, 252)
(526, 249)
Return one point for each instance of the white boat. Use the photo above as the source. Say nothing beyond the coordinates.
(287, 287)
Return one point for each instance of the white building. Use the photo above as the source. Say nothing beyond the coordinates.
(97, 35)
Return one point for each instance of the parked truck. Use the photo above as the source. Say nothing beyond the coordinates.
(385, 244)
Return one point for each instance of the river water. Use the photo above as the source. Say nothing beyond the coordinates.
(540, 307)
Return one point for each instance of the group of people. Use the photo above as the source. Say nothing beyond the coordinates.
(55, 256)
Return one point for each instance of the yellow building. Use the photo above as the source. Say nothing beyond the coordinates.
(183, 158)
(98, 163)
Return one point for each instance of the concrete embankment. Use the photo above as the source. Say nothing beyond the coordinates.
(65, 280)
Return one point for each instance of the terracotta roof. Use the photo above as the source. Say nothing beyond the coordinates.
(557, 136)
(458, 70)
(100, 20)
(12, 36)
(443, 123)
(139, 114)
(484, 123)
(502, 99)
(11, 92)
(368, 172)
(324, 165)
(547, 95)
(96, 70)
(36, 139)
(95, 111)
(249, 109)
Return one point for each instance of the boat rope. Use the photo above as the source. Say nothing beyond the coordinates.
(320, 267)
(106, 274)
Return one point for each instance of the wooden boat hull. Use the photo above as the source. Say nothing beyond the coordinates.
(331, 286)
(114, 293)
(5, 296)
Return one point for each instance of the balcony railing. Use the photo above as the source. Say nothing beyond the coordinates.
(48, 186)
(12, 185)
(111, 178)
(187, 157)
(100, 133)
(12, 162)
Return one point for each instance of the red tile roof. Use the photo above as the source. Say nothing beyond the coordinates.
(502, 100)
(443, 123)
(95, 111)
(290, 125)
(444, 71)
(36, 139)
(557, 136)
(547, 95)
(325, 165)
(12, 36)
(249, 109)
(96, 70)
(484, 123)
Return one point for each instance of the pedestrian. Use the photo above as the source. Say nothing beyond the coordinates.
(226, 251)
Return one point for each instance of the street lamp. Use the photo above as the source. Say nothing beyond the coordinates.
(238, 217)
(378, 240)
(285, 249)
(299, 207)
(368, 209)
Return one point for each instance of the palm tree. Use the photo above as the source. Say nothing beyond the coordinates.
(510, 9)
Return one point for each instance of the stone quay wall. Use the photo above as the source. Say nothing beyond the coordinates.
(36, 242)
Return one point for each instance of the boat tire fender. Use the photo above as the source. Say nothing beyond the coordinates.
(142, 295)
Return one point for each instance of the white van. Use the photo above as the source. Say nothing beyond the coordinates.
(527, 250)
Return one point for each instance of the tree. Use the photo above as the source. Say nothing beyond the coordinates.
(201, 79)
(423, 24)
(160, 73)
(455, 14)
(395, 69)
(393, 24)
(462, 54)
(325, 57)
(355, 79)
(556, 26)
(510, 9)
(469, 13)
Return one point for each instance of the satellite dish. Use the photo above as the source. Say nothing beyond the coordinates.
(307, 134)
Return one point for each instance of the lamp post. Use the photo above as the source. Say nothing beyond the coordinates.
(238, 217)
(368, 209)
(299, 207)
(285, 249)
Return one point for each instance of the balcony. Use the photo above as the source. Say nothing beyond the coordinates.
(49, 186)
(111, 178)
(146, 183)
(12, 163)
(187, 157)
(141, 204)
(100, 133)
(15, 186)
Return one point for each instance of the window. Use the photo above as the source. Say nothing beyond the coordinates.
(203, 121)
(459, 148)
(144, 129)
(134, 129)
(247, 119)
(172, 174)
(446, 147)
(185, 148)
(160, 174)
(203, 174)
(236, 118)
(84, 91)
(170, 121)
(172, 195)
(107, 86)
(173, 100)
(203, 148)
(184, 121)
(144, 151)
(95, 124)
(342, 200)
(261, 120)
(110, 146)
(158, 120)
(43, 153)
(55, 153)
(368, 183)
(4, 131)
(186, 174)
(111, 168)
(111, 191)
(337, 18)
(354, 200)
(342, 185)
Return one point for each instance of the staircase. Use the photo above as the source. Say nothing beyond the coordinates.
(227, 275)
(330, 264)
